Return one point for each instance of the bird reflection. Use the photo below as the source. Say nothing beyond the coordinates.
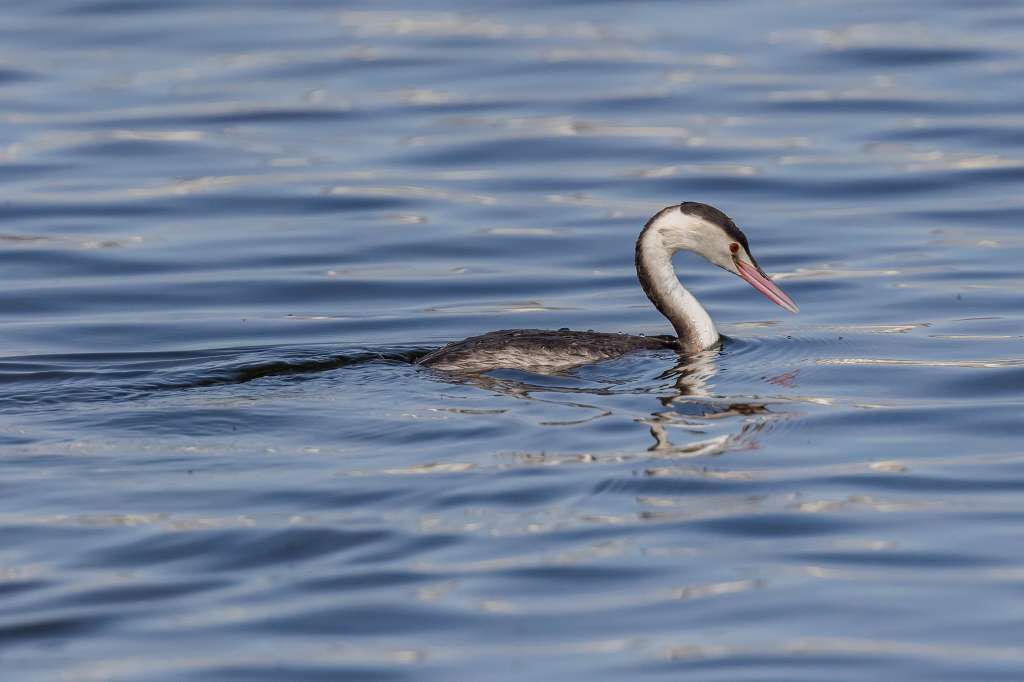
(684, 394)
(692, 405)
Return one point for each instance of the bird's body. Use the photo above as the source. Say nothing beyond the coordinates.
(540, 350)
(689, 226)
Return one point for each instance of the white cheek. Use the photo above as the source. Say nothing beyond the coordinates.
(681, 232)
(720, 255)
(715, 247)
(723, 260)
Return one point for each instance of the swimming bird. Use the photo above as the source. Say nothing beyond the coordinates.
(689, 226)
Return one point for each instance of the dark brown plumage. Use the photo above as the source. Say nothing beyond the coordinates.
(541, 348)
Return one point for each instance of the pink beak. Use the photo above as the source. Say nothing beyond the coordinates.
(756, 277)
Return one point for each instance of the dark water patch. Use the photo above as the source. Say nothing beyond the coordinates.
(238, 116)
(843, 104)
(978, 215)
(623, 104)
(346, 65)
(415, 546)
(8, 439)
(776, 525)
(991, 177)
(654, 485)
(292, 546)
(925, 483)
(550, 578)
(129, 148)
(308, 671)
(119, 8)
(1004, 382)
(48, 376)
(367, 620)
(906, 559)
(362, 582)
(13, 589)
(898, 423)
(42, 261)
(158, 550)
(321, 500)
(11, 75)
(517, 498)
(534, 149)
(568, 184)
(130, 595)
(768, 665)
(18, 172)
(973, 135)
(34, 629)
(907, 57)
(11, 211)
(17, 532)
(849, 187)
(233, 205)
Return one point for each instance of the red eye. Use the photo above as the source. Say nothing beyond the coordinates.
(734, 247)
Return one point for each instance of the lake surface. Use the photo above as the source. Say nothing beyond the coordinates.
(227, 228)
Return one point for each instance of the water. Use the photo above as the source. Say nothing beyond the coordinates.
(226, 228)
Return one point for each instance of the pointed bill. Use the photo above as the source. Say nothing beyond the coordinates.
(756, 277)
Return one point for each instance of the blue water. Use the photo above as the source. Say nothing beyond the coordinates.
(226, 228)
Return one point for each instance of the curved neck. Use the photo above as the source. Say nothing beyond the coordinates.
(692, 323)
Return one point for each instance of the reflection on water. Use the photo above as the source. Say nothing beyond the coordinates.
(687, 405)
(228, 230)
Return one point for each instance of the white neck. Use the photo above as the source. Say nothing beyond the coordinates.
(692, 323)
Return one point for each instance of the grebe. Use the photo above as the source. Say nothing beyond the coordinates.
(689, 226)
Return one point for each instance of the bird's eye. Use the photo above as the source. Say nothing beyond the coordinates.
(734, 247)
